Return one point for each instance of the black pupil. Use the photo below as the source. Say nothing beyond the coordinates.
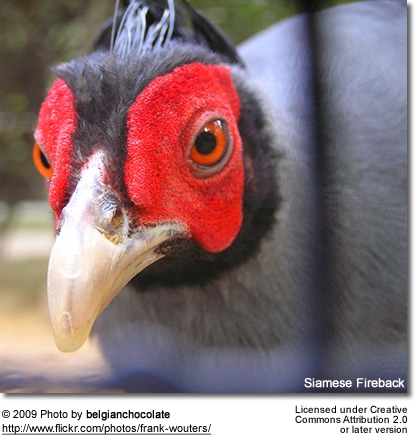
(44, 160)
(205, 142)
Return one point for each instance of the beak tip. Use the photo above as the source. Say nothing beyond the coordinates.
(68, 338)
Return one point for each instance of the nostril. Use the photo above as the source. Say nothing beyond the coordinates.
(117, 220)
(113, 231)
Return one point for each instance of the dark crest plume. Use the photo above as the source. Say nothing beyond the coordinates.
(135, 35)
(141, 26)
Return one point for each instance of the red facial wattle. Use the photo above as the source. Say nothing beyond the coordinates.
(54, 137)
(162, 179)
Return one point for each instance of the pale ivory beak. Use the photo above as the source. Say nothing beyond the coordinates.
(94, 257)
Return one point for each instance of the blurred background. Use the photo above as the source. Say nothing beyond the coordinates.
(35, 34)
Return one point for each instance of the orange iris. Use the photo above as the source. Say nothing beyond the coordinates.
(41, 162)
(210, 144)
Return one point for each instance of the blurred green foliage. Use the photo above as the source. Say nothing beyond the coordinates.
(35, 34)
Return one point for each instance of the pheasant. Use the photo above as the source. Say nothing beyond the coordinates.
(232, 220)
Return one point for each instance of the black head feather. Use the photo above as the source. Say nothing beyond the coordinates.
(189, 26)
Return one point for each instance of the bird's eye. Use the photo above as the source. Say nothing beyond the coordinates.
(41, 162)
(210, 145)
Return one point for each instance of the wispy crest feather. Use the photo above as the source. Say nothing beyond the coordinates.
(134, 35)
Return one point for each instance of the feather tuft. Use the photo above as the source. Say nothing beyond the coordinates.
(134, 34)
